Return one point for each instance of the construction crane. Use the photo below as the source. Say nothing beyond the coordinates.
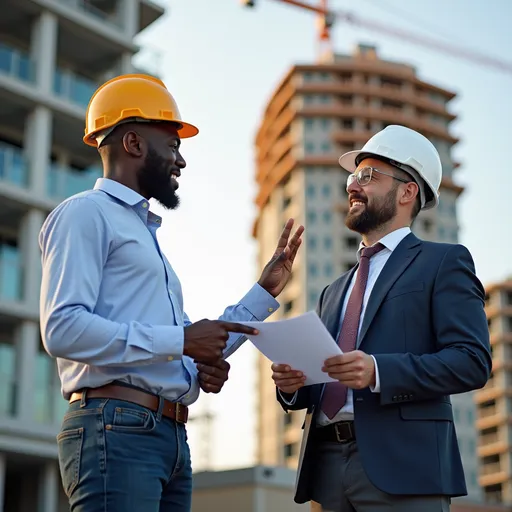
(327, 18)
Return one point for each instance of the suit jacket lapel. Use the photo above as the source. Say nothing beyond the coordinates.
(399, 260)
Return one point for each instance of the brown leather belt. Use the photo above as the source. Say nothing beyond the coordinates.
(174, 410)
(340, 432)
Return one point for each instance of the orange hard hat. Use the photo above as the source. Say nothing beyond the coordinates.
(133, 96)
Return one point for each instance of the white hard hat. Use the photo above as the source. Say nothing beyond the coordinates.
(408, 150)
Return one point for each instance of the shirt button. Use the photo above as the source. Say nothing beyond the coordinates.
(270, 310)
(170, 358)
(144, 205)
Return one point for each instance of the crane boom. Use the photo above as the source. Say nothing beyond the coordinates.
(426, 41)
(328, 17)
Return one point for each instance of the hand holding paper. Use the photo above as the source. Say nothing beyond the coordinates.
(303, 343)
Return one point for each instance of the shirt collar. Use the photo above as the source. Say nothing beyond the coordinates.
(390, 241)
(119, 191)
(129, 197)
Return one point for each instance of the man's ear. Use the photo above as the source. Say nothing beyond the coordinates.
(134, 144)
(409, 192)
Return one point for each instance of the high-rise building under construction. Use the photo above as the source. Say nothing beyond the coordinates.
(317, 112)
(494, 401)
(53, 54)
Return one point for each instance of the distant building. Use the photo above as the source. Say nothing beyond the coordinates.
(494, 401)
(53, 54)
(268, 489)
(317, 112)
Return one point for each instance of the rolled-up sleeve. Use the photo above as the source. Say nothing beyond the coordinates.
(75, 243)
(256, 305)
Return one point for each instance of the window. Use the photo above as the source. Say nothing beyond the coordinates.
(326, 190)
(309, 123)
(351, 242)
(325, 123)
(288, 306)
(288, 419)
(7, 371)
(309, 147)
(327, 242)
(311, 242)
(313, 269)
(348, 124)
(312, 299)
(311, 217)
(326, 147)
(288, 450)
(10, 269)
(327, 216)
(328, 270)
(310, 191)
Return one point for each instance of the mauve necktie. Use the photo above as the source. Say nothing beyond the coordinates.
(335, 393)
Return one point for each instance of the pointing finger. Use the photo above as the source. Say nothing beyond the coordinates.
(234, 327)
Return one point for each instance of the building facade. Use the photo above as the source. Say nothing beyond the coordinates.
(494, 401)
(53, 54)
(318, 112)
(269, 489)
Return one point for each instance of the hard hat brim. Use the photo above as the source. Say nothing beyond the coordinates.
(348, 160)
(185, 131)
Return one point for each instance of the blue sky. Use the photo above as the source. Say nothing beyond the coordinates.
(222, 62)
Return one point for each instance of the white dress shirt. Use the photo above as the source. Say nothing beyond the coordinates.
(377, 262)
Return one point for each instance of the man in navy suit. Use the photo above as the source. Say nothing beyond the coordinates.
(410, 320)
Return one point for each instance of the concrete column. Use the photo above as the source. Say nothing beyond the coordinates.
(27, 345)
(3, 465)
(125, 63)
(49, 488)
(38, 136)
(130, 17)
(29, 234)
(44, 49)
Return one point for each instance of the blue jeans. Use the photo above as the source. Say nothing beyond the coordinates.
(116, 456)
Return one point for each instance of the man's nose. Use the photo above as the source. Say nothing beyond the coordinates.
(354, 187)
(180, 161)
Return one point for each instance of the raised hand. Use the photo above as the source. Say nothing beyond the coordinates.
(213, 377)
(286, 379)
(205, 340)
(277, 271)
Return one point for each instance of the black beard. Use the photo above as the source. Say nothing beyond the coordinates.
(374, 216)
(154, 180)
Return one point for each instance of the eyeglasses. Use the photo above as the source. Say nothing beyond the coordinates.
(364, 176)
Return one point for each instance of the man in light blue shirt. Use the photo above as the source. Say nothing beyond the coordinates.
(129, 359)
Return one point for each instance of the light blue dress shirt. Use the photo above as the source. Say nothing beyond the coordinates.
(111, 305)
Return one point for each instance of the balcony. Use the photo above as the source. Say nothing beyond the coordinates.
(73, 88)
(110, 17)
(13, 166)
(16, 63)
(11, 274)
(64, 182)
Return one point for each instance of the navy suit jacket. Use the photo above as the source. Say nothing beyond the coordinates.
(426, 326)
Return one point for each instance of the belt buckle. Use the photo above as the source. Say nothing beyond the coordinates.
(338, 434)
(177, 409)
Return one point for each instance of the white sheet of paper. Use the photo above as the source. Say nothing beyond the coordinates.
(302, 342)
